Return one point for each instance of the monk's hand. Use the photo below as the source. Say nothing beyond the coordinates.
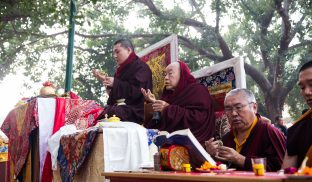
(108, 90)
(99, 75)
(230, 155)
(108, 81)
(149, 97)
(212, 147)
(159, 105)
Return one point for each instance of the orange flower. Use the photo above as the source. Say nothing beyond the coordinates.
(307, 171)
(208, 166)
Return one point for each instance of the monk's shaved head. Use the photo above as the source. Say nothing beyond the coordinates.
(173, 74)
(174, 64)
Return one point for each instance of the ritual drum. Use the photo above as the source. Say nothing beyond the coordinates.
(173, 157)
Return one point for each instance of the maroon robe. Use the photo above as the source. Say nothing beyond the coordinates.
(264, 141)
(135, 75)
(190, 107)
(299, 138)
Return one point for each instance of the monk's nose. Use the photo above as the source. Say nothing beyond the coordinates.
(307, 91)
(115, 55)
(234, 112)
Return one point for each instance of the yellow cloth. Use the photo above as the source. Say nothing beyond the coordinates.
(3, 155)
(309, 155)
(239, 146)
(303, 116)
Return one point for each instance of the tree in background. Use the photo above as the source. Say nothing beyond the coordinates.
(21, 24)
(273, 37)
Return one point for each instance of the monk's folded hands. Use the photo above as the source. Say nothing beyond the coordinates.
(211, 147)
(230, 155)
(108, 81)
(99, 75)
(159, 105)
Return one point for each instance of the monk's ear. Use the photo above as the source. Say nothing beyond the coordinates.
(255, 107)
(129, 50)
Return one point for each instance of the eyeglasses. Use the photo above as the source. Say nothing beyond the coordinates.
(237, 108)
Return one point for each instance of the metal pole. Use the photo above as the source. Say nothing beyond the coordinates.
(70, 47)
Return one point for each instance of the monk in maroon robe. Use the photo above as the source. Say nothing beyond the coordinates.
(249, 137)
(184, 104)
(131, 75)
(299, 136)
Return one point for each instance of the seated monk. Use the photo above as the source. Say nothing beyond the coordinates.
(125, 98)
(184, 104)
(249, 137)
(299, 135)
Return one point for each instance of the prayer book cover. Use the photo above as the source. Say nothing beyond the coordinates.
(198, 154)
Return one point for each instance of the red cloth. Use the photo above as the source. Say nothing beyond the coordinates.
(59, 121)
(82, 113)
(190, 107)
(72, 95)
(129, 60)
(264, 141)
(185, 79)
(23, 119)
(47, 173)
(59, 117)
(17, 126)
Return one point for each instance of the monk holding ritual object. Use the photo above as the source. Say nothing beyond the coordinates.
(184, 104)
(249, 137)
(125, 98)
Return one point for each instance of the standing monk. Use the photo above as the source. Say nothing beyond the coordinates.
(299, 135)
(184, 104)
(249, 137)
(131, 75)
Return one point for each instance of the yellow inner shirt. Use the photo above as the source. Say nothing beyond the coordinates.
(239, 146)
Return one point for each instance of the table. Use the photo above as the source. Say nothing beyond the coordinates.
(181, 176)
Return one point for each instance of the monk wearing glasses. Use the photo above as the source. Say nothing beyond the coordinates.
(249, 137)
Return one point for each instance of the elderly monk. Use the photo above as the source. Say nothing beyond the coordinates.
(184, 104)
(131, 75)
(299, 135)
(249, 137)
